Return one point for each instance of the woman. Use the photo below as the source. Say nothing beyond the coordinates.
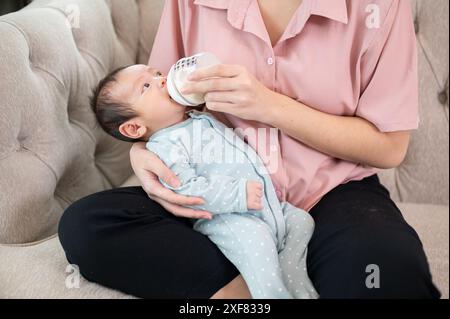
(339, 80)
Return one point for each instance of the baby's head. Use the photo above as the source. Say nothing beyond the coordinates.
(132, 103)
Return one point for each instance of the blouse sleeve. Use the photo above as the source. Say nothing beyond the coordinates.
(168, 45)
(389, 92)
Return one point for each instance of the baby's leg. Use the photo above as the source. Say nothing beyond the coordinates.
(247, 242)
(300, 227)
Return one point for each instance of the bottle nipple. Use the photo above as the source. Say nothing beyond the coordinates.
(178, 73)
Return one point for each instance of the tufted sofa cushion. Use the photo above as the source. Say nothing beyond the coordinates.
(424, 175)
(52, 152)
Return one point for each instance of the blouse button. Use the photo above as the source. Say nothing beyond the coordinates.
(278, 192)
(270, 61)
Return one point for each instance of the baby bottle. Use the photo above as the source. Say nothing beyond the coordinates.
(176, 78)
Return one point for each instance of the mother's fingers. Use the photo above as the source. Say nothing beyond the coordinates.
(220, 107)
(155, 165)
(219, 70)
(181, 211)
(174, 198)
(225, 97)
(213, 84)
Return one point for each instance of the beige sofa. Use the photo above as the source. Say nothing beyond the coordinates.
(52, 152)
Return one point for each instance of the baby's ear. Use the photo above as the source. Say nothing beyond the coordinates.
(132, 129)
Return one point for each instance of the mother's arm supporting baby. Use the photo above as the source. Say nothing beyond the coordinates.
(232, 89)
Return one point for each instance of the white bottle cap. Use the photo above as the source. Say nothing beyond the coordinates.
(180, 70)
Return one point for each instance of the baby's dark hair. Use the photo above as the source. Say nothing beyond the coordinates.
(110, 112)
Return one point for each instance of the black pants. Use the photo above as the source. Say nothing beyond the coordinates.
(121, 239)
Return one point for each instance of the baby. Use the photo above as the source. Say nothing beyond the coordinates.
(266, 240)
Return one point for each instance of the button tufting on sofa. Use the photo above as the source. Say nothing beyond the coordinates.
(443, 97)
(416, 26)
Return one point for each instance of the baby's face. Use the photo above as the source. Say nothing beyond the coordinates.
(144, 88)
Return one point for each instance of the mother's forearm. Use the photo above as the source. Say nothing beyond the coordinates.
(349, 138)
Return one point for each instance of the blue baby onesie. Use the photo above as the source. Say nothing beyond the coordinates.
(268, 247)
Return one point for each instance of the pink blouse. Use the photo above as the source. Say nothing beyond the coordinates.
(343, 57)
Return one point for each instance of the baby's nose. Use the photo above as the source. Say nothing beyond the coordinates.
(161, 80)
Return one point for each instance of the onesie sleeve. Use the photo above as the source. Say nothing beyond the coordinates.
(222, 193)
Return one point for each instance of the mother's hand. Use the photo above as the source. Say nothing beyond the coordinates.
(232, 89)
(148, 167)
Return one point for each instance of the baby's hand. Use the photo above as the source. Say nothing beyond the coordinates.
(254, 195)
